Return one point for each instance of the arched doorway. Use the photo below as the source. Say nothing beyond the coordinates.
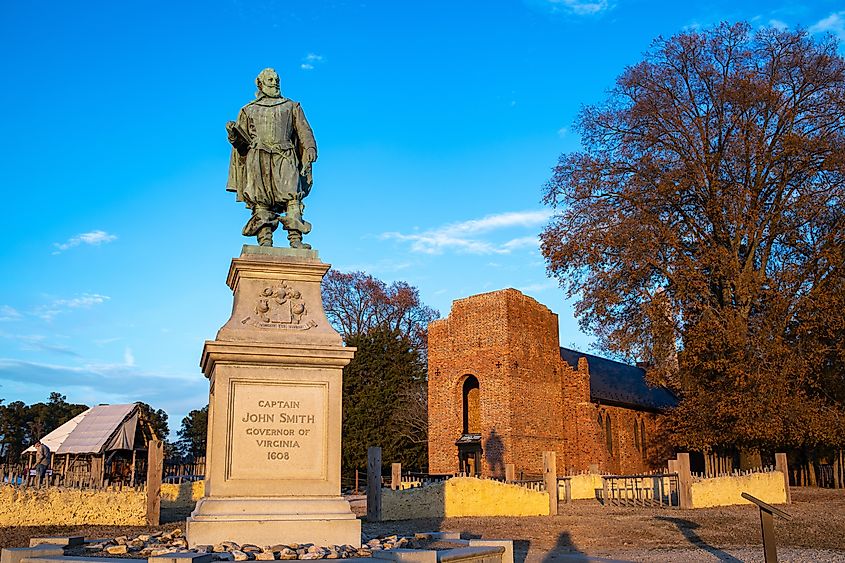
(469, 444)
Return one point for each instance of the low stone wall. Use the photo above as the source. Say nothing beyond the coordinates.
(723, 491)
(56, 505)
(183, 495)
(463, 496)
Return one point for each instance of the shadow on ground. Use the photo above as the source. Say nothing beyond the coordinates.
(687, 528)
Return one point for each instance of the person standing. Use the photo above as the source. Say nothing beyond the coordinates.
(42, 459)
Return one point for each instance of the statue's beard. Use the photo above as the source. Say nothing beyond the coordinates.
(270, 92)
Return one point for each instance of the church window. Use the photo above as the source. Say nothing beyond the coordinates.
(472, 406)
(642, 434)
(637, 434)
(608, 433)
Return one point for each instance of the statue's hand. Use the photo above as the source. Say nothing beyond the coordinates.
(310, 155)
(230, 131)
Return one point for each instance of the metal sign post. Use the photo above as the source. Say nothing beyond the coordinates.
(770, 548)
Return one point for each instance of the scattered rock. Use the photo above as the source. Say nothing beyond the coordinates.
(95, 546)
(218, 548)
(225, 556)
(144, 537)
(117, 549)
(239, 555)
(231, 546)
(250, 548)
(265, 556)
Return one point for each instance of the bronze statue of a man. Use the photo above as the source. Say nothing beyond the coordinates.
(273, 148)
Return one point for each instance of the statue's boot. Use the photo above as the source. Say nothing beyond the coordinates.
(295, 240)
(295, 225)
(261, 225)
(265, 236)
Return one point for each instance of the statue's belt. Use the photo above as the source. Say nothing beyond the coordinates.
(277, 148)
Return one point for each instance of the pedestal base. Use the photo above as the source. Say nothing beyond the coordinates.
(266, 521)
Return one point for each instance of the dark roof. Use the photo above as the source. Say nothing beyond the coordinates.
(621, 384)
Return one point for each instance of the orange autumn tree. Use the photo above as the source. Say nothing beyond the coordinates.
(702, 227)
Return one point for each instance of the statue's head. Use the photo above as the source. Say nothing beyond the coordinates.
(268, 83)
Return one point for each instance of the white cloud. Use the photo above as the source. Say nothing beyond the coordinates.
(463, 237)
(563, 132)
(778, 24)
(39, 343)
(580, 7)
(128, 357)
(537, 287)
(310, 60)
(84, 301)
(93, 238)
(9, 313)
(834, 23)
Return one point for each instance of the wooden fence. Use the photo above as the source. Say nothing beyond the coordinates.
(24, 477)
(179, 472)
(650, 489)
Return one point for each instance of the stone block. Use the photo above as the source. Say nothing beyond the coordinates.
(407, 555)
(445, 535)
(64, 541)
(182, 557)
(507, 555)
(491, 554)
(18, 554)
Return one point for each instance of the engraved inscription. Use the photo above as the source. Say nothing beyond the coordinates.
(278, 430)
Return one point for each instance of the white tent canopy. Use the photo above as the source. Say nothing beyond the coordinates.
(98, 430)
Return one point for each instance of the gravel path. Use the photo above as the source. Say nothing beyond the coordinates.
(585, 531)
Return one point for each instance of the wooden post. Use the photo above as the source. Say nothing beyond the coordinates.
(395, 476)
(510, 472)
(684, 481)
(356, 481)
(97, 470)
(374, 484)
(155, 463)
(782, 466)
(567, 490)
(550, 478)
(837, 477)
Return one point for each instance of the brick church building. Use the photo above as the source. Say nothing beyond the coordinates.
(502, 390)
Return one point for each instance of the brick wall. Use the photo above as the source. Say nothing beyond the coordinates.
(530, 400)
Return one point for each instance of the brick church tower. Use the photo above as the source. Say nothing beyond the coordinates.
(502, 390)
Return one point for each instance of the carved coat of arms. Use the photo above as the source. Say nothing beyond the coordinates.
(280, 306)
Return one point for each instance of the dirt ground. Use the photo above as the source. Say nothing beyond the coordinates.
(586, 531)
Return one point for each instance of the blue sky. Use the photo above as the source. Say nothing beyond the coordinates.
(437, 125)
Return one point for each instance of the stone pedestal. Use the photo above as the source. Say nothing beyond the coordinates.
(274, 420)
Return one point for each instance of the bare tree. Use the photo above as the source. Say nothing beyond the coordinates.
(356, 303)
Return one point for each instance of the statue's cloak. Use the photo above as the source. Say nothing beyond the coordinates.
(265, 168)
